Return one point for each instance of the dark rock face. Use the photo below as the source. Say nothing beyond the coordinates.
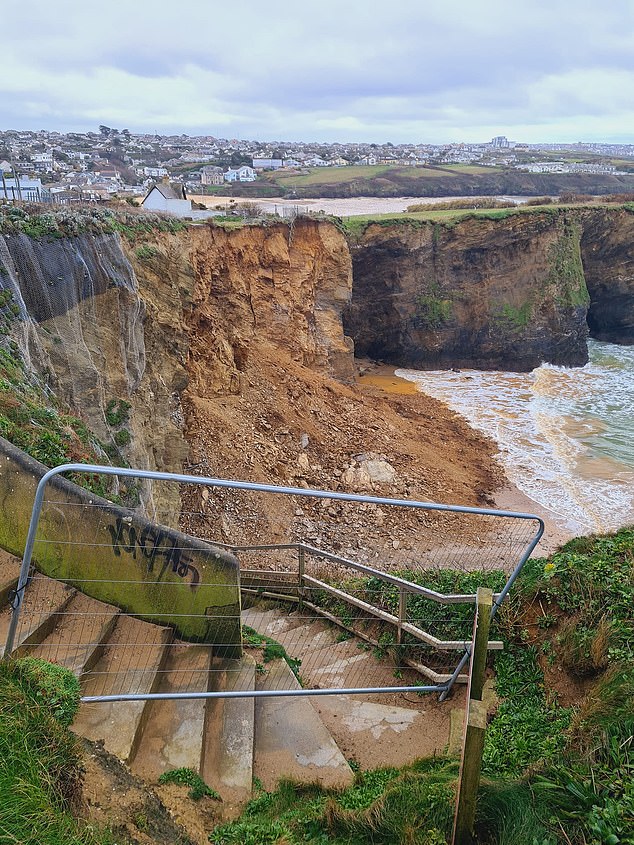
(505, 293)
(607, 250)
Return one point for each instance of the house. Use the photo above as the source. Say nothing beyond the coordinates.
(155, 172)
(317, 161)
(367, 160)
(211, 175)
(168, 198)
(43, 161)
(28, 190)
(267, 163)
(240, 174)
(5, 167)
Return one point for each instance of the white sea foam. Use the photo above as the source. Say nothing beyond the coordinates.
(566, 435)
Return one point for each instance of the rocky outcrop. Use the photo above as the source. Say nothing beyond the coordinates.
(607, 251)
(501, 293)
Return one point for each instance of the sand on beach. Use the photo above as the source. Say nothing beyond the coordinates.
(507, 498)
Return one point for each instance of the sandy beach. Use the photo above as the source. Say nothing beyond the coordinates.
(348, 207)
(507, 498)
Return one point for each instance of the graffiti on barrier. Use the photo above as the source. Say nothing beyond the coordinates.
(153, 544)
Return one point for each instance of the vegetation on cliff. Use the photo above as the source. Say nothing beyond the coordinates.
(453, 180)
(557, 767)
(64, 222)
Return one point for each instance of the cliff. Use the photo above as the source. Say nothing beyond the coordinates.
(220, 352)
(223, 352)
(607, 250)
(505, 293)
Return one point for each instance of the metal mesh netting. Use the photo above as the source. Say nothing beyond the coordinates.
(337, 593)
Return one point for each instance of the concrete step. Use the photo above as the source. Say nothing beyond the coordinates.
(385, 734)
(9, 572)
(290, 738)
(227, 760)
(44, 599)
(271, 622)
(78, 639)
(130, 663)
(172, 735)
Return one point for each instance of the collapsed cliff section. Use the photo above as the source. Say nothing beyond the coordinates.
(608, 261)
(504, 293)
(271, 398)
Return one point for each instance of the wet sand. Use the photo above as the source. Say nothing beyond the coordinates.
(508, 498)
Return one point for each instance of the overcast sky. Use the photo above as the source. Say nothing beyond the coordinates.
(325, 70)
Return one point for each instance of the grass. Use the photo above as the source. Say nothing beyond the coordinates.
(551, 774)
(188, 777)
(356, 225)
(31, 421)
(383, 807)
(40, 776)
(271, 649)
(333, 175)
(361, 173)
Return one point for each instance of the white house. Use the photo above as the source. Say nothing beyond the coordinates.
(29, 190)
(240, 174)
(155, 172)
(163, 197)
(44, 161)
(317, 161)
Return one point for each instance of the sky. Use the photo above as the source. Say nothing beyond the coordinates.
(412, 71)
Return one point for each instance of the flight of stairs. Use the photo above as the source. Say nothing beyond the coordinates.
(230, 741)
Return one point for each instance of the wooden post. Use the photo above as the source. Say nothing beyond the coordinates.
(475, 724)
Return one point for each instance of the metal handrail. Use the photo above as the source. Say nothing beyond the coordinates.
(302, 548)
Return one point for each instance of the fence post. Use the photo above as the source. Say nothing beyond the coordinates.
(301, 566)
(475, 724)
(402, 617)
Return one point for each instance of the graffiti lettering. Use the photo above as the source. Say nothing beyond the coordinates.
(151, 544)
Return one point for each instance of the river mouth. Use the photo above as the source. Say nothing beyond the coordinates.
(565, 435)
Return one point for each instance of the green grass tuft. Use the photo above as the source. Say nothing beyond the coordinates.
(188, 777)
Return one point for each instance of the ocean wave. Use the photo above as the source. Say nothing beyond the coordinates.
(565, 435)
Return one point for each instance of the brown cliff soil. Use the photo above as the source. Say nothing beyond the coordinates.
(295, 427)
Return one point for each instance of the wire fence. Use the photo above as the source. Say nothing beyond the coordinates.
(341, 592)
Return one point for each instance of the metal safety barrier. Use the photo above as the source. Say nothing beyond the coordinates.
(340, 592)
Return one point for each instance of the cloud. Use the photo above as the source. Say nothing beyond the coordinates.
(337, 70)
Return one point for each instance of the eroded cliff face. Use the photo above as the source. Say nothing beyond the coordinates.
(607, 250)
(281, 286)
(118, 328)
(489, 294)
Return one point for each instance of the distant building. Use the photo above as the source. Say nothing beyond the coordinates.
(211, 175)
(267, 163)
(169, 198)
(155, 172)
(28, 190)
(240, 174)
(500, 142)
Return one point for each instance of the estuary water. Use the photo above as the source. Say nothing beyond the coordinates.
(565, 435)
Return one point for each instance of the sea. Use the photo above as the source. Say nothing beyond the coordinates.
(565, 435)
